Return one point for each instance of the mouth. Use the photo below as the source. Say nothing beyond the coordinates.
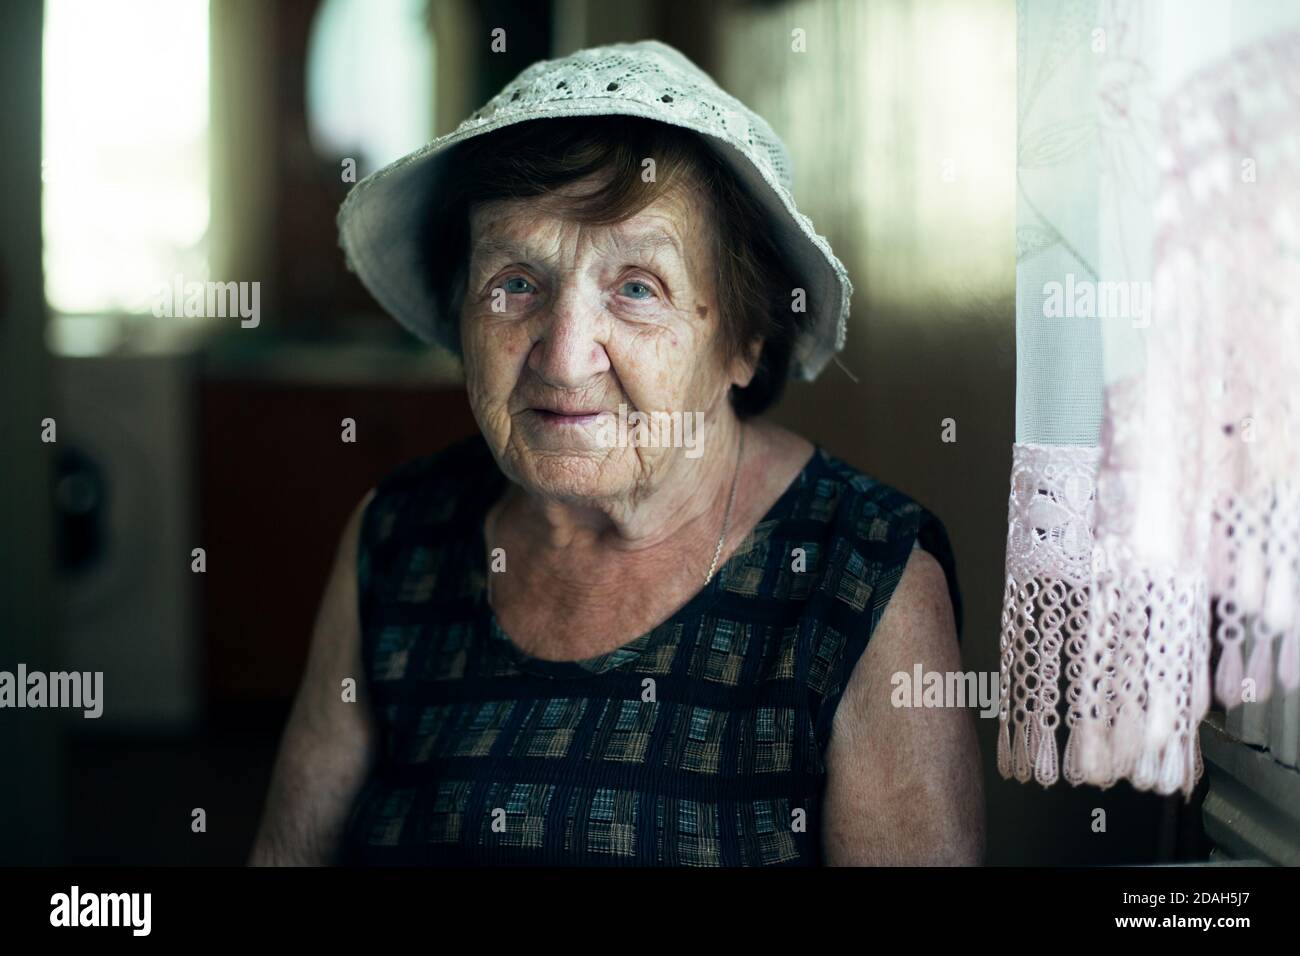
(561, 418)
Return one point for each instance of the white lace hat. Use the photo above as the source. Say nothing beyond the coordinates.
(379, 222)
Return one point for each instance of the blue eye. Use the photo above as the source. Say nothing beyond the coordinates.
(516, 290)
(644, 293)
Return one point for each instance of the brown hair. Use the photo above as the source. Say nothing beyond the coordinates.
(753, 283)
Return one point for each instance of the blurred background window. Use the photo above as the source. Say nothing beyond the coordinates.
(370, 80)
(125, 151)
(878, 98)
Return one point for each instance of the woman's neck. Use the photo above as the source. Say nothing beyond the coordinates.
(677, 509)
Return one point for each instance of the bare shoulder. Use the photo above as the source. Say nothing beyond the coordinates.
(918, 625)
(904, 785)
(920, 608)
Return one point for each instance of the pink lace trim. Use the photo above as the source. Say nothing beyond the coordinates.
(1125, 562)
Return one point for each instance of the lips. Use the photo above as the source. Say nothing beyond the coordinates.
(567, 416)
(561, 407)
(568, 409)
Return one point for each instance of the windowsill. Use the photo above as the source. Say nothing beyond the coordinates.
(1252, 810)
(360, 354)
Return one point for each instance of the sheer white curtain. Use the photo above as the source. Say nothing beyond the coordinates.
(1154, 520)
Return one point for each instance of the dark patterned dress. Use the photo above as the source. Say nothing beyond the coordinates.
(700, 743)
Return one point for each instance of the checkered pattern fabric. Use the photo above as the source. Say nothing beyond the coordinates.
(700, 743)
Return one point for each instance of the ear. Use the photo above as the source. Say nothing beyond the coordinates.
(745, 365)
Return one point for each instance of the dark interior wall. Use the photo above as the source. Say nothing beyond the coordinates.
(31, 755)
(528, 26)
(688, 25)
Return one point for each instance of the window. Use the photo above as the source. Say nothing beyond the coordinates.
(125, 151)
(370, 79)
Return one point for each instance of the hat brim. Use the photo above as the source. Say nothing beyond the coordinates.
(381, 225)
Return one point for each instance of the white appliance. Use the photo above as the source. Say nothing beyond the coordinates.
(126, 506)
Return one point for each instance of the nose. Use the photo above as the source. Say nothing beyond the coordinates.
(570, 351)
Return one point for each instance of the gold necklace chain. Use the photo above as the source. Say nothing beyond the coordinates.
(726, 518)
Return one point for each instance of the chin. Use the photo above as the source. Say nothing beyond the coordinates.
(576, 475)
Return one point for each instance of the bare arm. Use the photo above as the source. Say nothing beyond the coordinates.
(328, 743)
(904, 785)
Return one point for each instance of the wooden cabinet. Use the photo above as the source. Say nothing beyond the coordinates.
(277, 483)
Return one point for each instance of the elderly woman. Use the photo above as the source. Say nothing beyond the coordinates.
(576, 639)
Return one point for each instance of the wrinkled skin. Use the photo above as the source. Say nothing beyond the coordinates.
(595, 317)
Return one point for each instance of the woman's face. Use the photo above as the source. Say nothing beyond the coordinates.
(562, 323)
